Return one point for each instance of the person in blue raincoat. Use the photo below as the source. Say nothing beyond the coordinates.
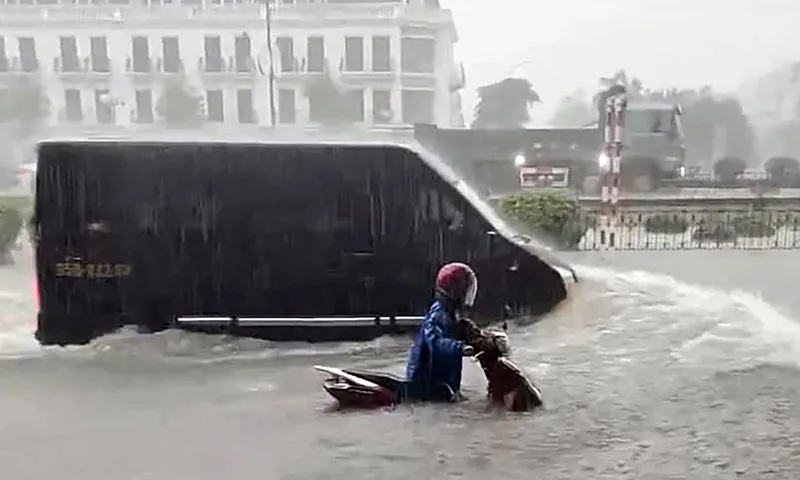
(434, 363)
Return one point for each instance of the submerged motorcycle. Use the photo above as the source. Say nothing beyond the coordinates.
(508, 386)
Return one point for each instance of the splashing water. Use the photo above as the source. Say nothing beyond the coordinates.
(712, 324)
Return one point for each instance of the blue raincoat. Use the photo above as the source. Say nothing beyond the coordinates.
(434, 364)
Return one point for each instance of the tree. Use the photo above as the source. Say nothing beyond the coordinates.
(729, 168)
(783, 138)
(505, 104)
(23, 105)
(574, 110)
(781, 167)
(615, 84)
(329, 105)
(715, 126)
(178, 106)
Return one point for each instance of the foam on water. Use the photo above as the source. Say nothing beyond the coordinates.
(734, 324)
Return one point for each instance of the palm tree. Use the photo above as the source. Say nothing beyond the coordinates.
(24, 104)
(505, 104)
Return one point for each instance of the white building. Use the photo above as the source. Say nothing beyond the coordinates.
(104, 63)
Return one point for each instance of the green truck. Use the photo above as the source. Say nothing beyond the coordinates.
(504, 161)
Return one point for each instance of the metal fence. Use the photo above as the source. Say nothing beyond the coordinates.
(687, 230)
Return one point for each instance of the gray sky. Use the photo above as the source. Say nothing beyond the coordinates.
(570, 43)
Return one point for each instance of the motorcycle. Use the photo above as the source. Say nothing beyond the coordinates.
(508, 386)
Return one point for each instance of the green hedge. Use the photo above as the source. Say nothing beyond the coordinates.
(668, 224)
(755, 227)
(719, 232)
(552, 215)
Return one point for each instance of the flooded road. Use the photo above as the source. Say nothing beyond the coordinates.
(666, 365)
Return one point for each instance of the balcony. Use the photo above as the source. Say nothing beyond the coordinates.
(236, 13)
(141, 70)
(13, 71)
(385, 73)
(415, 77)
(82, 70)
(220, 70)
(172, 68)
(291, 71)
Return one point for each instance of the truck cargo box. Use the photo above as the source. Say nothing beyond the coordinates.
(276, 237)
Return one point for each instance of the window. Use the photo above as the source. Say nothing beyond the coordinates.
(73, 105)
(286, 50)
(144, 106)
(381, 54)
(316, 54)
(172, 55)
(418, 55)
(102, 107)
(70, 62)
(213, 49)
(244, 106)
(141, 55)
(100, 61)
(418, 106)
(215, 106)
(650, 121)
(243, 57)
(3, 55)
(354, 54)
(381, 106)
(29, 62)
(355, 100)
(287, 109)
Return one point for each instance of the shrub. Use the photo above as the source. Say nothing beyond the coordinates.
(754, 227)
(729, 168)
(551, 214)
(13, 212)
(670, 224)
(719, 232)
(779, 168)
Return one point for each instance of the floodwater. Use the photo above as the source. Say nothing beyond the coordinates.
(665, 365)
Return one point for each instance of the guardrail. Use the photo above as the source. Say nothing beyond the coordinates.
(686, 230)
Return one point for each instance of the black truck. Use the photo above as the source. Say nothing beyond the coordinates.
(285, 241)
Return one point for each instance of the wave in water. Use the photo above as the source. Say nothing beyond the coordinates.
(734, 325)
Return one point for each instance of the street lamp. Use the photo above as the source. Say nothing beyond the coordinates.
(520, 160)
(604, 162)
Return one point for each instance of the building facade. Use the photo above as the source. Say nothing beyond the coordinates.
(109, 63)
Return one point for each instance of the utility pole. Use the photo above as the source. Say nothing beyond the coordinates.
(271, 72)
